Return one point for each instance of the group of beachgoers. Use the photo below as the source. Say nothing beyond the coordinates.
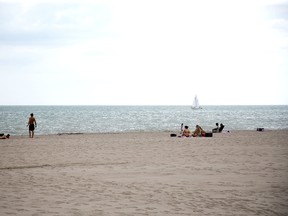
(32, 124)
(199, 132)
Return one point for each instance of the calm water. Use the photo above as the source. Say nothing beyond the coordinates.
(103, 119)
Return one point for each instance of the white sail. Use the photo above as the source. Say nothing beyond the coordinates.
(195, 104)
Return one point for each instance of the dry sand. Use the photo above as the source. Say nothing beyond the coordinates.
(238, 173)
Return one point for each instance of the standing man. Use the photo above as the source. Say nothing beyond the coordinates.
(32, 124)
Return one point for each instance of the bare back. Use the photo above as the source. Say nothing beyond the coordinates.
(186, 132)
(32, 120)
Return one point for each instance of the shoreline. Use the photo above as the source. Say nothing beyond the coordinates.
(146, 132)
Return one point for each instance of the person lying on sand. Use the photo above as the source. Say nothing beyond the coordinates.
(5, 137)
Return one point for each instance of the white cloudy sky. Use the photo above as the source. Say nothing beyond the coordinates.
(152, 52)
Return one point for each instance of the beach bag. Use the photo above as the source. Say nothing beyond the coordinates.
(208, 134)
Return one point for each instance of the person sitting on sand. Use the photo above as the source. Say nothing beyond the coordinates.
(198, 131)
(5, 137)
(216, 130)
(186, 132)
(221, 127)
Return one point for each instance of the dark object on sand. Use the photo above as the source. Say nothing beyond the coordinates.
(260, 129)
(173, 135)
(208, 134)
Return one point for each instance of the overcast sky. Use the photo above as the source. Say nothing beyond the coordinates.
(136, 52)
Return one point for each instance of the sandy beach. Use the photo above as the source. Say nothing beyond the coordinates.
(237, 173)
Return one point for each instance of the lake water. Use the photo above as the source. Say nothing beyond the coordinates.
(114, 119)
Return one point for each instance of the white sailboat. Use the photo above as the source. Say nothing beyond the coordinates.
(195, 104)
